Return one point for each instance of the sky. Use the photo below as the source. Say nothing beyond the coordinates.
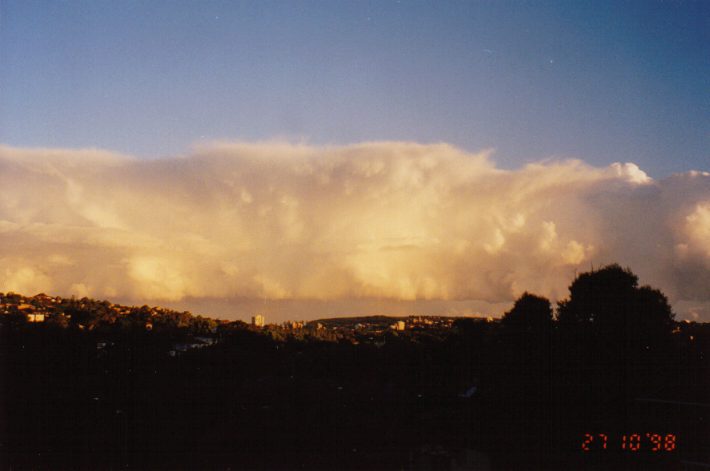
(312, 159)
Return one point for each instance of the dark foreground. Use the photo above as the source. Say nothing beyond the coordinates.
(517, 394)
(252, 403)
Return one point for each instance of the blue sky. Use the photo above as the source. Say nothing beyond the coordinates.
(600, 81)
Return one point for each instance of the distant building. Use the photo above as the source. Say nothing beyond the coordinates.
(399, 325)
(33, 317)
(258, 320)
(294, 325)
(206, 341)
(183, 347)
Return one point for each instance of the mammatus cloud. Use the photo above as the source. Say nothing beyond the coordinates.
(385, 220)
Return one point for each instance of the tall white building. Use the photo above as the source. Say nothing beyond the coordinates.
(399, 325)
(257, 320)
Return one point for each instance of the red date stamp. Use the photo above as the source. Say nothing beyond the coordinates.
(635, 442)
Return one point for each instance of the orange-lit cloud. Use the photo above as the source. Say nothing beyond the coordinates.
(385, 220)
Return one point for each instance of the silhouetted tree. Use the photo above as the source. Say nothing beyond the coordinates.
(610, 302)
(522, 383)
(530, 314)
(615, 335)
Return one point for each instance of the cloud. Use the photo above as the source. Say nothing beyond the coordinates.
(375, 221)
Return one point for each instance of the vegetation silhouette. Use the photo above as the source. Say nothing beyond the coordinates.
(100, 386)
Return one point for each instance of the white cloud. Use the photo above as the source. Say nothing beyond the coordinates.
(631, 173)
(383, 220)
(698, 229)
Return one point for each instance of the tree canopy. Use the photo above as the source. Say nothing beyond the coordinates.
(610, 302)
(530, 313)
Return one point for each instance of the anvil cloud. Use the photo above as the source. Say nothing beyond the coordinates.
(375, 221)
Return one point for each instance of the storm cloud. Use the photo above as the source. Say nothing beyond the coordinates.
(390, 221)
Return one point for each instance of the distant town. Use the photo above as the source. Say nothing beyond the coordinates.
(193, 332)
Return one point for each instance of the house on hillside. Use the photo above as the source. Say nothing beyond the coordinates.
(198, 342)
(45, 299)
(35, 317)
(206, 341)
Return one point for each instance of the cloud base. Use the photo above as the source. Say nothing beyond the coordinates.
(381, 222)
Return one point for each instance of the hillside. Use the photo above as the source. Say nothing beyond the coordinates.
(89, 384)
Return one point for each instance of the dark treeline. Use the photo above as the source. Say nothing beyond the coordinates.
(105, 392)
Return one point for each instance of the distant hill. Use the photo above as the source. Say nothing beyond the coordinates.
(90, 314)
